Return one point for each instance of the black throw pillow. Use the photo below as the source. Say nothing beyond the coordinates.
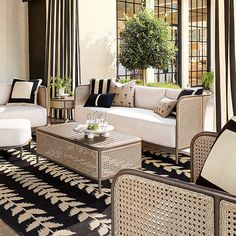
(185, 92)
(100, 100)
(231, 126)
(198, 92)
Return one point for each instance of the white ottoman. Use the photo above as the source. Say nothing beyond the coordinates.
(14, 133)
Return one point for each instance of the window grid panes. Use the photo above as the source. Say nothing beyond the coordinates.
(198, 41)
(129, 7)
(169, 10)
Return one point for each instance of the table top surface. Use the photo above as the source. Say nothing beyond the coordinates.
(65, 132)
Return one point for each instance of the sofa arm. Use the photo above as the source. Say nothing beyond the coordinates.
(200, 147)
(145, 204)
(81, 94)
(190, 115)
(43, 97)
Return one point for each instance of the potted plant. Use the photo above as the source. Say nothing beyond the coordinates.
(146, 42)
(207, 80)
(62, 84)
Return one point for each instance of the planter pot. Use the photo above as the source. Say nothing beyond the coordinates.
(61, 92)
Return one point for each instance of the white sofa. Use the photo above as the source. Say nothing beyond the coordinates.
(36, 114)
(173, 132)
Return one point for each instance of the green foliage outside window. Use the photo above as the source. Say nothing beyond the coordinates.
(146, 42)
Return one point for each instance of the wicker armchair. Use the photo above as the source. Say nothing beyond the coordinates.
(144, 204)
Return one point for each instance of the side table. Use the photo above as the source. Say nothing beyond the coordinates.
(64, 104)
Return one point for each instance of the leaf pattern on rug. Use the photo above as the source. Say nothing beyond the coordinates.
(25, 212)
(36, 185)
(62, 173)
(92, 219)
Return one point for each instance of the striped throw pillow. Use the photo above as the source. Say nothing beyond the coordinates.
(100, 86)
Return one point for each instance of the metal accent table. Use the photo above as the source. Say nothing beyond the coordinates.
(99, 158)
(65, 104)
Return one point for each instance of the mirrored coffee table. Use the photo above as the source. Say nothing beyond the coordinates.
(99, 158)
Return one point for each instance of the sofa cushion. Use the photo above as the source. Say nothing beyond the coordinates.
(24, 91)
(100, 100)
(143, 123)
(218, 171)
(124, 93)
(165, 107)
(148, 97)
(172, 93)
(219, 168)
(98, 86)
(5, 90)
(36, 114)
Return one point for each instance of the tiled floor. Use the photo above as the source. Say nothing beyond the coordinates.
(5, 230)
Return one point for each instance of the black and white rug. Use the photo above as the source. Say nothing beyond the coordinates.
(48, 199)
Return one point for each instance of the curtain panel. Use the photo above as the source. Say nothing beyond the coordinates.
(225, 72)
(62, 50)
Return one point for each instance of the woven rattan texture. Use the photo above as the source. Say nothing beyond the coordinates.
(189, 123)
(65, 131)
(85, 160)
(201, 149)
(146, 207)
(120, 158)
(227, 218)
(69, 154)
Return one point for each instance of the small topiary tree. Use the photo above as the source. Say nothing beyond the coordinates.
(146, 42)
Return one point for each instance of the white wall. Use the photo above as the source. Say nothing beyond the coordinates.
(13, 40)
(97, 39)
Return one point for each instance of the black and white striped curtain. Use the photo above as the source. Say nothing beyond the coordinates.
(62, 41)
(225, 72)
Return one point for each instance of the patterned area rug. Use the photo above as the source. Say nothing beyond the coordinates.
(48, 199)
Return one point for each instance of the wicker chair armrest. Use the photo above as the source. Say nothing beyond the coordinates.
(43, 97)
(200, 147)
(189, 119)
(81, 94)
(145, 204)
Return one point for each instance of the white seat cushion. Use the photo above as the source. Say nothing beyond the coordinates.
(143, 123)
(36, 114)
(14, 132)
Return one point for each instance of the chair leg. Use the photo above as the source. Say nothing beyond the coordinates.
(37, 158)
(177, 156)
(21, 152)
(29, 144)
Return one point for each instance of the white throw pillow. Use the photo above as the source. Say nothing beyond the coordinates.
(124, 93)
(219, 168)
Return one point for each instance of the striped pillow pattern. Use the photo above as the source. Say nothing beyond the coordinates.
(100, 86)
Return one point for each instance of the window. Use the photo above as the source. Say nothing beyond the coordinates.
(128, 7)
(169, 10)
(199, 31)
(198, 40)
